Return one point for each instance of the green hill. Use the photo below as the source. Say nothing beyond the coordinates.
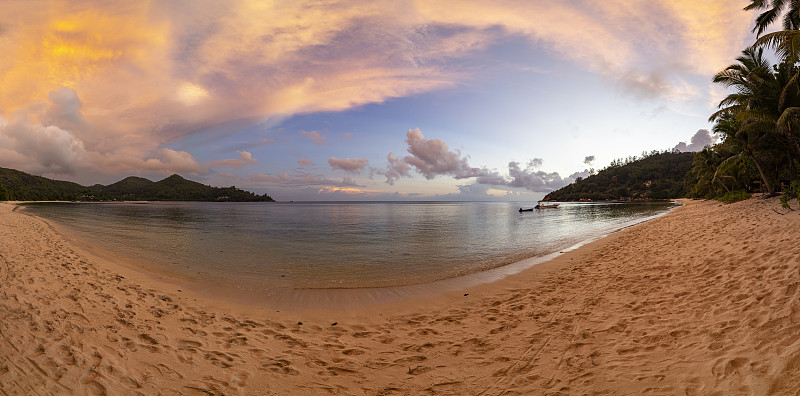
(20, 186)
(653, 176)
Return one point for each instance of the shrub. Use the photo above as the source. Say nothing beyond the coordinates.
(792, 192)
(734, 196)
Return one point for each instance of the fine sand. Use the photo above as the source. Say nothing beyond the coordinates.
(704, 300)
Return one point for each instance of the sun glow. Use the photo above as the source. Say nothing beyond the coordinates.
(73, 47)
(191, 94)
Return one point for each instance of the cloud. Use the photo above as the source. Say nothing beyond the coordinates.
(432, 157)
(167, 161)
(696, 37)
(315, 137)
(48, 138)
(40, 149)
(349, 182)
(644, 86)
(533, 180)
(352, 165)
(528, 178)
(121, 83)
(304, 161)
(396, 169)
(588, 159)
(245, 158)
(64, 111)
(300, 179)
(582, 174)
(700, 139)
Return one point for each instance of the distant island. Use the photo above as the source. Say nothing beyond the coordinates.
(20, 186)
(654, 175)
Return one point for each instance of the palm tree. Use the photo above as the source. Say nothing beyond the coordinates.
(704, 170)
(760, 119)
(743, 140)
(767, 97)
(791, 19)
(753, 84)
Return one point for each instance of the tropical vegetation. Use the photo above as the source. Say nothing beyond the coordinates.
(21, 186)
(759, 120)
(654, 175)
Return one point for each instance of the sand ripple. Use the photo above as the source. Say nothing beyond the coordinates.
(705, 300)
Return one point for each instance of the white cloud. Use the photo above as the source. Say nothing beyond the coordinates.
(40, 149)
(700, 139)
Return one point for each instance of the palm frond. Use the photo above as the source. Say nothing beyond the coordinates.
(756, 5)
(791, 87)
(787, 117)
(786, 44)
(764, 20)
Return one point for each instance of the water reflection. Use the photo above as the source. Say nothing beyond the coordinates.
(335, 245)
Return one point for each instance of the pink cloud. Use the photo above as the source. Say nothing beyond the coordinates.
(431, 158)
(315, 137)
(300, 178)
(396, 169)
(352, 165)
(245, 158)
(304, 161)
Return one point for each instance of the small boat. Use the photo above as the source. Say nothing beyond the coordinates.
(525, 210)
(546, 206)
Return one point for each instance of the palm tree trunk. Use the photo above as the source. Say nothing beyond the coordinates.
(792, 140)
(723, 185)
(761, 172)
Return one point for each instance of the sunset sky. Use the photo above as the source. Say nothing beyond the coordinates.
(316, 100)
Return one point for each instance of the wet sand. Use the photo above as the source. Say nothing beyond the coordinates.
(704, 300)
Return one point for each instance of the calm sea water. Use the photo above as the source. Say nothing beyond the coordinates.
(270, 246)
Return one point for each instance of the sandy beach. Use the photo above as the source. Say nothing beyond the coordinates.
(704, 300)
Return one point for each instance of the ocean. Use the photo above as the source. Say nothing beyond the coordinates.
(264, 248)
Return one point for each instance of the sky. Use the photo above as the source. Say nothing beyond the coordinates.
(355, 100)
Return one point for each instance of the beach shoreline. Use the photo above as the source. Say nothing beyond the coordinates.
(701, 300)
(314, 299)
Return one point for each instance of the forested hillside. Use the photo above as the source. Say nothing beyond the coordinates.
(656, 175)
(20, 186)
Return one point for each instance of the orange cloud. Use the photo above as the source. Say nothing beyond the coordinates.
(245, 158)
(147, 73)
(57, 44)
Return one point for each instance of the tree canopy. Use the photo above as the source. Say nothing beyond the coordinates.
(25, 187)
(654, 175)
(759, 120)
